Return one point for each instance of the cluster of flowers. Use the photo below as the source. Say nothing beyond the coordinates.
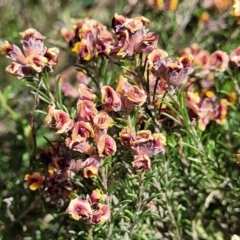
(90, 39)
(132, 37)
(58, 186)
(203, 103)
(60, 166)
(89, 127)
(91, 210)
(143, 145)
(87, 132)
(173, 72)
(36, 57)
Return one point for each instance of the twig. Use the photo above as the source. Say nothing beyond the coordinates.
(139, 204)
(32, 124)
(24, 213)
(185, 21)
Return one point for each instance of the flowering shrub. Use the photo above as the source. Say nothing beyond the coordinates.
(135, 144)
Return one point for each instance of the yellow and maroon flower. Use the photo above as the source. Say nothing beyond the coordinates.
(222, 111)
(88, 39)
(135, 96)
(34, 180)
(104, 43)
(84, 50)
(13, 52)
(175, 72)
(205, 18)
(97, 196)
(31, 33)
(59, 120)
(90, 166)
(101, 215)
(142, 162)
(159, 141)
(235, 56)
(126, 136)
(80, 209)
(86, 110)
(202, 59)
(146, 143)
(52, 56)
(36, 56)
(193, 100)
(106, 146)
(102, 120)
(83, 129)
(132, 36)
(90, 171)
(86, 93)
(206, 108)
(156, 59)
(110, 99)
(142, 136)
(79, 144)
(67, 34)
(122, 85)
(37, 62)
(219, 60)
(18, 70)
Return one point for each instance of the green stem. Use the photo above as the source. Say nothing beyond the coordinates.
(138, 206)
(32, 124)
(13, 114)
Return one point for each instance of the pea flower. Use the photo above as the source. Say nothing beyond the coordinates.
(102, 120)
(83, 129)
(79, 144)
(36, 57)
(102, 214)
(89, 39)
(235, 56)
(146, 143)
(143, 145)
(97, 196)
(106, 146)
(222, 108)
(59, 120)
(80, 209)
(110, 99)
(166, 5)
(34, 180)
(219, 60)
(86, 111)
(202, 59)
(156, 59)
(126, 136)
(92, 210)
(173, 72)
(132, 36)
(86, 93)
(142, 162)
(135, 96)
(90, 166)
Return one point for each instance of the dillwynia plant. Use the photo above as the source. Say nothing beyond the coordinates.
(111, 159)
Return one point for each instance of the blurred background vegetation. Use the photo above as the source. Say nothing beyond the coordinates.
(214, 202)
